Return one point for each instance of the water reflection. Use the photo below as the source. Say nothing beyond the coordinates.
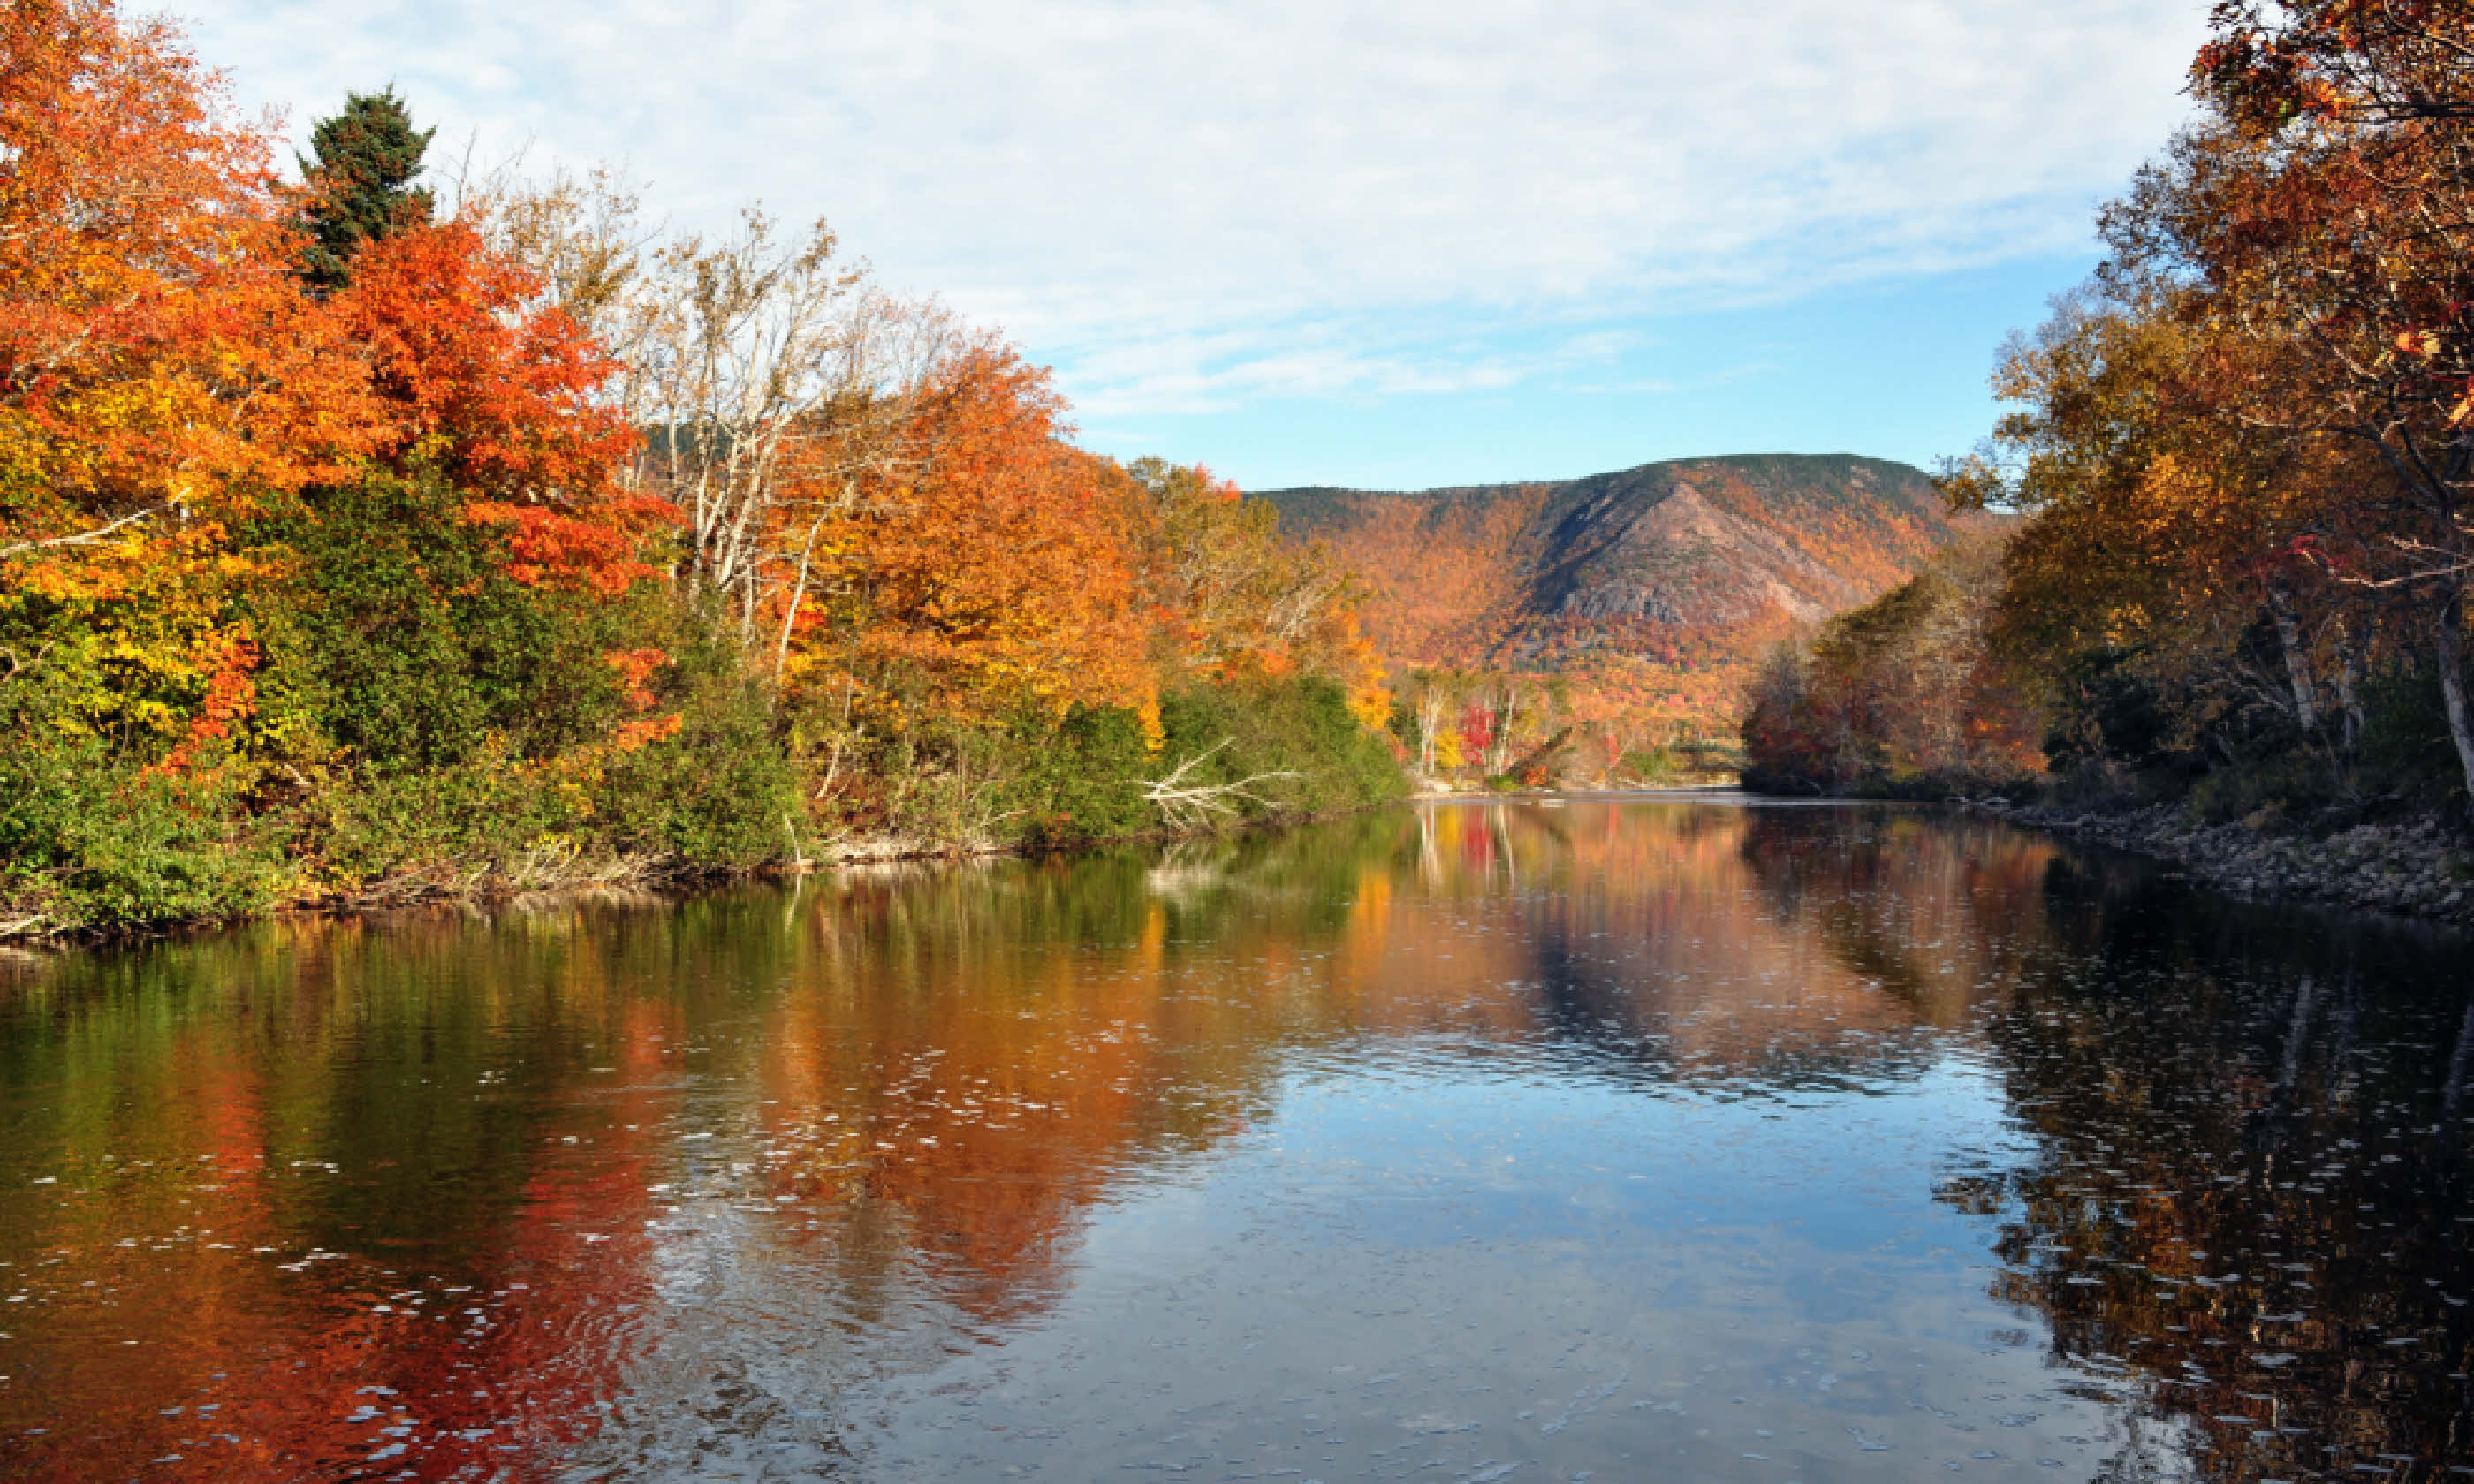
(2249, 1201)
(1679, 1141)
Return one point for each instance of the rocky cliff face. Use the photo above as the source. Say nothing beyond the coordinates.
(1699, 561)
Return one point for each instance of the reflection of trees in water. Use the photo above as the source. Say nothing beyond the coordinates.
(1761, 948)
(941, 1070)
(900, 1087)
(1935, 908)
(244, 1109)
(2251, 1195)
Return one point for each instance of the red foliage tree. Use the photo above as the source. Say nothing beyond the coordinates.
(498, 391)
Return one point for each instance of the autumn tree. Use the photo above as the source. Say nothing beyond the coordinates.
(2348, 240)
(503, 396)
(1227, 597)
(163, 374)
(987, 568)
(157, 362)
(1901, 696)
(1434, 692)
(770, 378)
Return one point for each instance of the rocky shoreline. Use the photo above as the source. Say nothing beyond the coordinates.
(2417, 867)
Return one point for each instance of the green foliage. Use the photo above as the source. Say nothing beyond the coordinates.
(489, 817)
(89, 839)
(1046, 781)
(1298, 727)
(1652, 765)
(420, 721)
(398, 643)
(364, 159)
(719, 794)
(1081, 782)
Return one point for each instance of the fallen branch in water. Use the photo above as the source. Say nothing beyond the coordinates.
(1186, 805)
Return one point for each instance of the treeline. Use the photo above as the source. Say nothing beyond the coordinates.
(359, 538)
(1905, 697)
(1496, 730)
(2243, 454)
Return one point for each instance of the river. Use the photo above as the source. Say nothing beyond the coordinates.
(1539, 1140)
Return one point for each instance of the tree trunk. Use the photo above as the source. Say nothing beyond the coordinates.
(2452, 685)
(2297, 663)
(1498, 750)
(2350, 696)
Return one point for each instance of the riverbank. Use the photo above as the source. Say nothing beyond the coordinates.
(2419, 867)
(553, 873)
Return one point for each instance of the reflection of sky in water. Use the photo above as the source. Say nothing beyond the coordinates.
(1630, 1142)
(1464, 1273)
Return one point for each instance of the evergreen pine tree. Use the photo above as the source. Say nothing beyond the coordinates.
(364, 159)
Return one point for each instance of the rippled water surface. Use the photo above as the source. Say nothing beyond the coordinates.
(1530, 1142)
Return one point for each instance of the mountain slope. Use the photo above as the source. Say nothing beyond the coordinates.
(1707, 557)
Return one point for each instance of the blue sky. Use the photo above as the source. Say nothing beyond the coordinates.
(1895, 369)
(1392, 242)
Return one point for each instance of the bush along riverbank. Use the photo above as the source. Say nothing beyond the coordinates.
(90, 846)
(392, 712)
(361, 545)
(1924, 695)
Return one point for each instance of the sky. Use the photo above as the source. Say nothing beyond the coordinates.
(1381, 243)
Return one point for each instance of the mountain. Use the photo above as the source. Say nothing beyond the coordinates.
(1692, 550)
(1676, 574)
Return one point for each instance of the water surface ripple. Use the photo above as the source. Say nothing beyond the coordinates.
(1537, 1142)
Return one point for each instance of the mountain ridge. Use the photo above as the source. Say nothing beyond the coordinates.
(1684, 565)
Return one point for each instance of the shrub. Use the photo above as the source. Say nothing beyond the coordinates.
(719, 793)
(88, 840)
(396, 640)
(1300, 727)
(1082, 780)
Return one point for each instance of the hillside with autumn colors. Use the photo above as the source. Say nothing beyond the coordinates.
(1652, 588)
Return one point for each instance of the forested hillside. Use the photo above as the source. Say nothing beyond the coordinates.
(1651, 588)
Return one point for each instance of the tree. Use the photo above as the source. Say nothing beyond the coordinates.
(154, 358)
(1901, 696)
(744, 349)
(161, 375)
(1227, 598)
(1434, 691)
(502, 394)
(2347, 238)
(168, 382)
(984, 570)
(360, 178)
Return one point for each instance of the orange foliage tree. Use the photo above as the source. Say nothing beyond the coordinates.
(159, 372)
(2248, 447)
(1227, 598)
(983, 573)
(168, 379)
(159, 359)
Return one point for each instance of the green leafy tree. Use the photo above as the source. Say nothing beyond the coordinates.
(364, 159)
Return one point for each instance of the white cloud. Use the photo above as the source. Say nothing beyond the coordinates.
(1188, 204)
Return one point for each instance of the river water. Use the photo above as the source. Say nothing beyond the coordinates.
(1532, 1141)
